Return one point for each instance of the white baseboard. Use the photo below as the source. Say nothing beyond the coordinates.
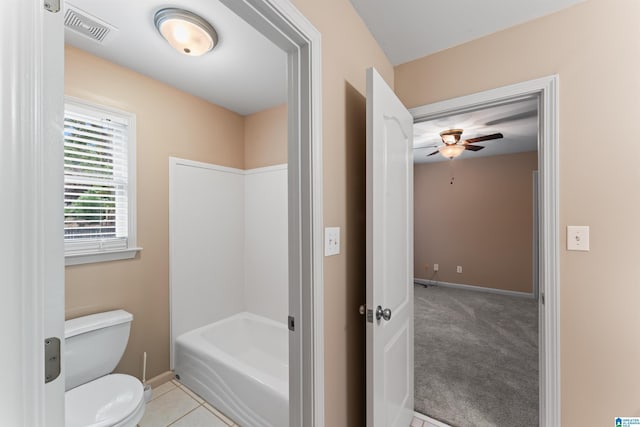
(431, 421)
(474, 288)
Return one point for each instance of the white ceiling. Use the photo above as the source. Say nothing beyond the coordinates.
(410, 29)
(517, 121)
(245, 72)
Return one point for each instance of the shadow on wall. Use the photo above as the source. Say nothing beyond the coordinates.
(355, 234)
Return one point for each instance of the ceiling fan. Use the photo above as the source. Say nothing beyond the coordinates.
(453, 146)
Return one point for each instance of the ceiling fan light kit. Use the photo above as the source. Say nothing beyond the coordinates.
(185, 31)
(451, 151)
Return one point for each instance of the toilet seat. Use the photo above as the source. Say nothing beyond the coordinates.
(115, 400)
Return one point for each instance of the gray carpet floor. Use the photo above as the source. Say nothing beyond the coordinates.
(476, 357)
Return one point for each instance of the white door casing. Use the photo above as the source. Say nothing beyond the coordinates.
(547, 89)
(285, 26)
(389, 256)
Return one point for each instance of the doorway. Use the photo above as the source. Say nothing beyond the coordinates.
(545, 90)
(476, 329)
(286, 27)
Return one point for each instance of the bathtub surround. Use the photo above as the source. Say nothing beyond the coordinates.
(495, 246)
(476, 357)
(266, 264)
(229, 288)
(228, 243)
(206, 244)
(169, 123)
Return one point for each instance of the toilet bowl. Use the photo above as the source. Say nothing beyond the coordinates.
(95, 397)
(112, 400)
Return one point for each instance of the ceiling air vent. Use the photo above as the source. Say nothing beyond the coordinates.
(87, 25)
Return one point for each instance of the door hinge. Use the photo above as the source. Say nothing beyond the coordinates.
(51, 359)
(542, 297)
(291, 323)
(52, 6)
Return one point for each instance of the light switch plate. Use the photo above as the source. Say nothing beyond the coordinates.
(578, 237)
(331, 241)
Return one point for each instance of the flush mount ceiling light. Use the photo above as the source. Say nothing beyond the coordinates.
(185, 31)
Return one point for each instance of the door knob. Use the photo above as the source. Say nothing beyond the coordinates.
(383, 314)
(362, 309)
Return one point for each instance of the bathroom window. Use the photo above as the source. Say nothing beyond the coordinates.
(99, 183)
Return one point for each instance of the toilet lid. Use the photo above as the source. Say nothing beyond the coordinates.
(103, 402)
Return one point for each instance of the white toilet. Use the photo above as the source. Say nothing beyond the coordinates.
(95, 397)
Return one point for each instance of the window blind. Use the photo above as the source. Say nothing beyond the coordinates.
(95, 180)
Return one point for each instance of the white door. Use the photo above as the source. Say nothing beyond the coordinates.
(389, 257)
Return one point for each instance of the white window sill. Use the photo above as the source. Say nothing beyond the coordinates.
(104, 256)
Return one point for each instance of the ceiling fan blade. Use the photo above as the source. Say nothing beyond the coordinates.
(435, 152)
(473, 147)
(483, 138)
(422, 147)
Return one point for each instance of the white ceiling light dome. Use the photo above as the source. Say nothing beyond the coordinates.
(451, 151)
(185, 31)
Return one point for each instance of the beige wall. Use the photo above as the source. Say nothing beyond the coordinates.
(348, 49)
(595, 49)
(169, 123)
(483, 222)
(265, 138)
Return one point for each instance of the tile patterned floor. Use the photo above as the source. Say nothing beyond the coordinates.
(173, 404)
(422, 421)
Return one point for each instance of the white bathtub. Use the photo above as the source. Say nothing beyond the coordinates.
(241, 366)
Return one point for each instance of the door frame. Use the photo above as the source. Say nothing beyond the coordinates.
(280, 22)
(23, 125)
(535, 176)
(31, 251)
(546, 88)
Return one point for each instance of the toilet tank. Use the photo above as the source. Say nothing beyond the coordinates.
(94, 345)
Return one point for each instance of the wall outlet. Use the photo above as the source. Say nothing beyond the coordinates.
(459, 269)
(436, 267)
